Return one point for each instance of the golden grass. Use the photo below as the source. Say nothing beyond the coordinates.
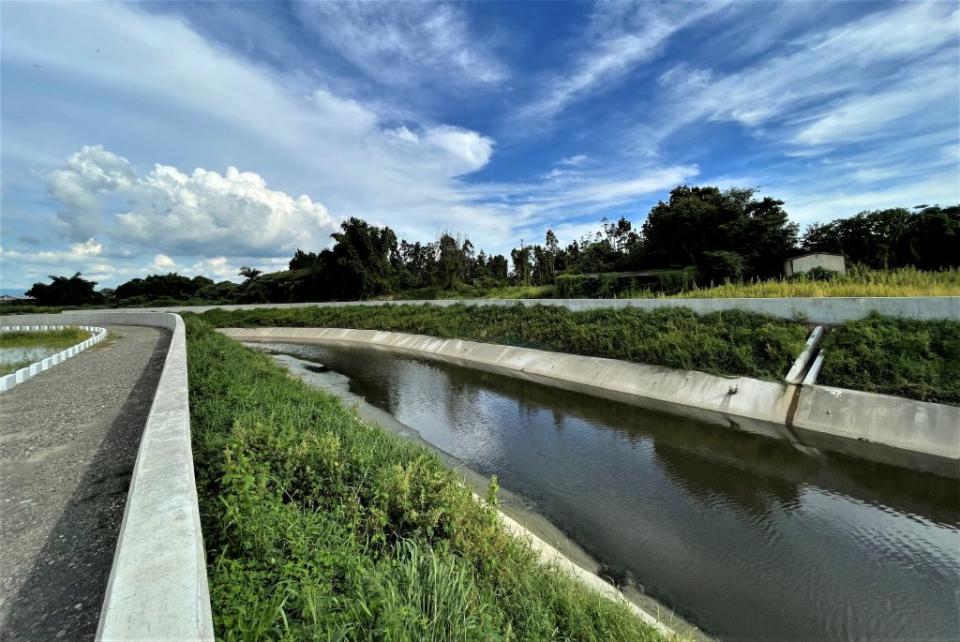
(857, 282)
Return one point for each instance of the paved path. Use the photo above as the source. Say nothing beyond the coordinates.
(68, 441)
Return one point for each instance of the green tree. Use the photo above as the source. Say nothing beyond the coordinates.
(697, 220)
(65, 290)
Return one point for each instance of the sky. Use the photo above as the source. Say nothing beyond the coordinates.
(201, 137)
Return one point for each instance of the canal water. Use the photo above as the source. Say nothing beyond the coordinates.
(743, 535)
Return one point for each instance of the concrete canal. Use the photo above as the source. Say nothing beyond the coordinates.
(746, 536)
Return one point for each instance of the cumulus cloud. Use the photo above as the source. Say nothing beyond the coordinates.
(234, 213)
(87, 176)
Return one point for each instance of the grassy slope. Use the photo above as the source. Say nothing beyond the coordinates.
(319, 526)
(916, 359)
(731, 343)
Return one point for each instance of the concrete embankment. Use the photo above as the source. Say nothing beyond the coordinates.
(825, 310)
(157, 587)
(889, 429)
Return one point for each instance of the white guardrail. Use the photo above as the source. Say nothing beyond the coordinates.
(9, 381)
(158, 583)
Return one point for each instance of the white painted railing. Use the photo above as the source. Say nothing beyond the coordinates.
(14, 378)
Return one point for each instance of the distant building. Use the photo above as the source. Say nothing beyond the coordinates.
(6, 298)
(806, 262)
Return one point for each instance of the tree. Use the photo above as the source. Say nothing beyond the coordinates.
(521, 263)
(249, 273)
(697, 220)
(360, 264)
(926, 237)
(64, 290)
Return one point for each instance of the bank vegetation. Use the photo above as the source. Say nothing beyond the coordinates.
(320, 526)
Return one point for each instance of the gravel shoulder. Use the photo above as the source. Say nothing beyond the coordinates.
(68, 443)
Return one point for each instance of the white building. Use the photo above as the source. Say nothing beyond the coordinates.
(806, 262)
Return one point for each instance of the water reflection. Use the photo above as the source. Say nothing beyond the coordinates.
(749, 537)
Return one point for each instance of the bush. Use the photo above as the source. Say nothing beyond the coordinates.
(915, 359)
(722, 267)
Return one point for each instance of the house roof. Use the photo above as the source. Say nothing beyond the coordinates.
(800, 256)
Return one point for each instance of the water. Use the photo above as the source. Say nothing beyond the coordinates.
(743, 535)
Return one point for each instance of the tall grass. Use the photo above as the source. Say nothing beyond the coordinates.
(43, 338)
(320, 526)
(915, 359)
(857, 282)
(729, 343)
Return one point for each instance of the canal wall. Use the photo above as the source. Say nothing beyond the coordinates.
(158, 582)
(823, 310)
(739, 402)
(881, 427)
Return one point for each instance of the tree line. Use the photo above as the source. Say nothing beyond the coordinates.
(708, 234)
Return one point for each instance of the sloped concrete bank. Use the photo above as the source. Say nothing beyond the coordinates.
(889, 429)
(825, 310)
(158, 581)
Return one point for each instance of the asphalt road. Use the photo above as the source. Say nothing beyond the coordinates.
(68, 442)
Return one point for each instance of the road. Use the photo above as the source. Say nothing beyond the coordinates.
(68, 442)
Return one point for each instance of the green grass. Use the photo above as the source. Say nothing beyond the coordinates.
(43, 338)
(915, 359)
(320, 526)
(727, 343)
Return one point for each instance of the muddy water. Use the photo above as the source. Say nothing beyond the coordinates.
(744, 535)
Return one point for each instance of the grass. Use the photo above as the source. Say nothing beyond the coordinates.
(857, 282)
(320, 526)
(54, 340)
(43, 338)
(915, 359)
(726, 343)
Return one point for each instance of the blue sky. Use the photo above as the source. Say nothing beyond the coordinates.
(202, 137)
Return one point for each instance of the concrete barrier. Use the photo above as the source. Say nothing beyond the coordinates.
(739, 402)
(821, 310)
(10, 381)
(825, 413)
(894, 430)
(158, 583)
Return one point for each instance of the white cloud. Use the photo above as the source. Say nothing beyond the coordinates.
(162, 262)
(88, 175)
(621, 36)
(185, 214)
(839, 78)
(468, 149)
(837, 199)
(403, 43)
(574, 161)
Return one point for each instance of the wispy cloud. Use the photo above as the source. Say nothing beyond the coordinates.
(620, 37)
(405, 43)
